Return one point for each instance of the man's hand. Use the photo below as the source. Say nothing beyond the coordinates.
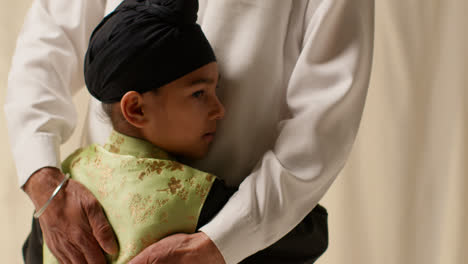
(74, 225)
(181, 249)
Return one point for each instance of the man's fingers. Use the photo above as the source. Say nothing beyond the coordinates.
(60, 253)
(74, 255)
(102, 230)
(93, 251)
(105, 236)
(181, 248)
(64, 254)
(59, 256)
(143, 257)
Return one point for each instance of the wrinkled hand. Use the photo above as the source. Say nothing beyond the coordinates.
(181, 249)
(74, 225)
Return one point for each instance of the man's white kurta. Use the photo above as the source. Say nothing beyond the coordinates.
(294, 77)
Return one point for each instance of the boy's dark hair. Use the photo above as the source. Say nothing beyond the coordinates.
(107, 108)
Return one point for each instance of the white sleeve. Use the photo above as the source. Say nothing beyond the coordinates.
(325, 95)
(47, 69)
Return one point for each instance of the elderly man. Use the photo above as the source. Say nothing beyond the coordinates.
(299, 68)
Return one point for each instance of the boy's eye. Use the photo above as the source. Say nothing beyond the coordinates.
(198, 94)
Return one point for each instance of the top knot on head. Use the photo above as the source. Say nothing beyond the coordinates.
(173, 11)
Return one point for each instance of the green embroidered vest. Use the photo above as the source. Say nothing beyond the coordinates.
(144, 192)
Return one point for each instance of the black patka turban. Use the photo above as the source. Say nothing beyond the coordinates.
(143, 45)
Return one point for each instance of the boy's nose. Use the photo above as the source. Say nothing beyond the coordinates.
(218, 110)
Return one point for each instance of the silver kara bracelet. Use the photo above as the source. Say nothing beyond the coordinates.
(39, 213)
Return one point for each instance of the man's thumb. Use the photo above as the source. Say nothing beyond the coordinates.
(102, 230)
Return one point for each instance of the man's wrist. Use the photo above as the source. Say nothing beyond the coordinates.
(210, 247)
(41, 184)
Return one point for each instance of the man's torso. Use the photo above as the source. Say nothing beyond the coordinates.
(257, 44)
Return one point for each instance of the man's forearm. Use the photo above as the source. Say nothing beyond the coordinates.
(325, 97)
(45, 72)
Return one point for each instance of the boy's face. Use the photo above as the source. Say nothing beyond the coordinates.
(182, 115)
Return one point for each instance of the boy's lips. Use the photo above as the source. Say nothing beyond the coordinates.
(209, 136)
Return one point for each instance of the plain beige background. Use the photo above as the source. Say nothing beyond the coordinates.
(402, 196)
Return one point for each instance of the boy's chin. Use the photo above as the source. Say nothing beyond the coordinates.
(198, 154)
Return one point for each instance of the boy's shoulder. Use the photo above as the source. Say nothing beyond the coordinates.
(149, 166)
(81, 153)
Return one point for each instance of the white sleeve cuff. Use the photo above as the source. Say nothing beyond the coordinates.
(233, 247)
(36, 152)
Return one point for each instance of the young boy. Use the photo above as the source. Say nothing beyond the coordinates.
(151, 66)
(156, 75)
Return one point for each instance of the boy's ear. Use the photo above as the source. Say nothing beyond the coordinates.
(131, 106)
